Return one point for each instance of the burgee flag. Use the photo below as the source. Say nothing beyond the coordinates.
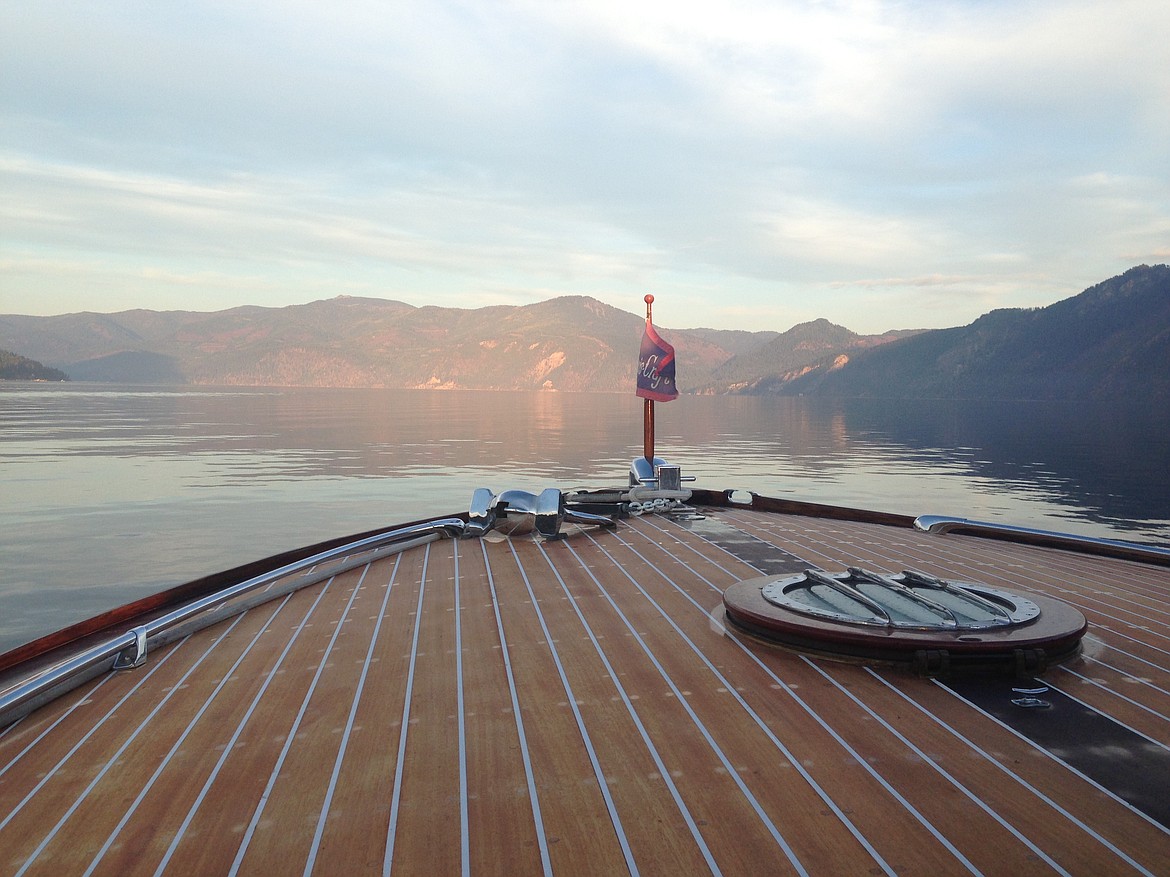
(656, 367)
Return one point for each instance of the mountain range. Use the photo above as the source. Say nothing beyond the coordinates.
(1111, 340)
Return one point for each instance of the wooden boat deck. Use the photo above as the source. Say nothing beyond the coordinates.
(514, 707)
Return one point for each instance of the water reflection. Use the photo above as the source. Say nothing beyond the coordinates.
(1099, 463)
(111, 492)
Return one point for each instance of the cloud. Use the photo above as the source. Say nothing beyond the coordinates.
(475, 152)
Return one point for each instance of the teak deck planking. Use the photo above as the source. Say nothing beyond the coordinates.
(511, 707)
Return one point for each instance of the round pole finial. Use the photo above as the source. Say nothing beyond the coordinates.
(649, 299)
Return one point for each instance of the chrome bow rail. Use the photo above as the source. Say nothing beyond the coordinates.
(941, 524)
(130, 648)
(513, 511)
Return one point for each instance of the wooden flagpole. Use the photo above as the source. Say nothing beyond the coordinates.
(648, 407)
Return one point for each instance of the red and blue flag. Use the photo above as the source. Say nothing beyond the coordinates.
(656, 367)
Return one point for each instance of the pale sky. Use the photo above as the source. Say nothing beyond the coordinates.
(753, 165)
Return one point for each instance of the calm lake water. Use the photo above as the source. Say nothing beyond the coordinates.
(108, 493)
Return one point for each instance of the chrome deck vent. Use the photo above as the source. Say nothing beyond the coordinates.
(909, 600)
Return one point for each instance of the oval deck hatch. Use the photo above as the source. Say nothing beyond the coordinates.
(908, 616)
(907, 599)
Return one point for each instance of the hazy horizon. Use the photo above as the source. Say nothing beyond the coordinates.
(636, 311)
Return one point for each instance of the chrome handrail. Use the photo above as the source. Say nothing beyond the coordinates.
(941, 524)
(129, 649)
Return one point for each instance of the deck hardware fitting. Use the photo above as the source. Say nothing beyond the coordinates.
(134, 655)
